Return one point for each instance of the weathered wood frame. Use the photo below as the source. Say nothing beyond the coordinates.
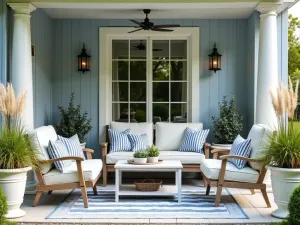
(82, 184)
(110, 167)
(221, 182)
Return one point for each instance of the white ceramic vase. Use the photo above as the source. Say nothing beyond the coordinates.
(140, 160)
(13, 182)
(284, 181)
(152, 159)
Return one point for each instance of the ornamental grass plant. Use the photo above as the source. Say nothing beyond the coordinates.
(16, 147)
(283, 146)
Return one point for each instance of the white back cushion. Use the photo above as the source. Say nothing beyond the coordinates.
(41, 137)
(135, 128)
(258, 135)
(170, 135)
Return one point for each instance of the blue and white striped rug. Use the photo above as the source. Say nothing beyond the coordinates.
(195, 205)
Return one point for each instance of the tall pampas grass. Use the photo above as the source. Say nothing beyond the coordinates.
(11, 107)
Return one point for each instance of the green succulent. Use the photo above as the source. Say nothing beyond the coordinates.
(152, 151)
(140, 154)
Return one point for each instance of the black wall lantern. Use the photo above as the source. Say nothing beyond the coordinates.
(215, 60)
(83, 61)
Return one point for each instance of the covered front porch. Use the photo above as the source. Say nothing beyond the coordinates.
(44, 39)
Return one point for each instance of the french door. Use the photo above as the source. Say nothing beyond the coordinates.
(150, 79)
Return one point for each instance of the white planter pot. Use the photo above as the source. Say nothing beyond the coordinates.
(152, 159)
(82, 145)
(140, 160)
(284, 181)
(13, 182)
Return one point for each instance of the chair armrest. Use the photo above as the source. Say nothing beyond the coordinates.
(225, 157)
(104, 152)
(79, 159)
(216, 152)
(89, 152)
(206, 150)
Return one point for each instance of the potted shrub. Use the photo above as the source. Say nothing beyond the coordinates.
(17, 153)
(4, 210)
(140, 157)
(153, 154)
(229, 124)
(282, 152)
(73, 122)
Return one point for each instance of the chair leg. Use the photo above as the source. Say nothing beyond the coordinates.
(49, 192)
(95, 189)
(218, 196)
(252, 191)
(104, 176)
(37, 198)
(265, 195)
(84, 196)
(207, 189)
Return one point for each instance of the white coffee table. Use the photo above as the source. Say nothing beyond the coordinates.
(165, 166)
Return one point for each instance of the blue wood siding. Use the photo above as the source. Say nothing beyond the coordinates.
(231, 39)
(3, 41)
(41, 36)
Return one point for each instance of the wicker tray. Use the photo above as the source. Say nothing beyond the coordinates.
(148, 185)
(131, 161)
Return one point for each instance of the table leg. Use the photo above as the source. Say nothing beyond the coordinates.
(120, 175)
(117, 185)
(178, 184)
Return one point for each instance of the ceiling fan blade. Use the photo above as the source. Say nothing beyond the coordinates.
(135, 30)
(159, 29)
(166, 25)
(138, 23)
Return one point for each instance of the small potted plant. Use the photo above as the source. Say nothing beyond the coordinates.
(153, 154)
(17, 153)
(140, 157)
(229, 124)
(282, 150)
(73, 122)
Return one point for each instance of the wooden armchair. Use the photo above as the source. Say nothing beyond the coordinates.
(221, 173)
(81, 174)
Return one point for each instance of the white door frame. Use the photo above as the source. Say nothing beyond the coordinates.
(106, 35)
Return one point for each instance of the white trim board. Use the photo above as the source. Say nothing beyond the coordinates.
(106, 35)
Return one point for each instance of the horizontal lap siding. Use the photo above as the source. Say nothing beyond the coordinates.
(69, 35)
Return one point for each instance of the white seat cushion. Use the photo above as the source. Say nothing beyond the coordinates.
(259, 136)
(169, 136)
(211, 169)
(91, 169)
(41, 137)
(135, 128)
(184, 157)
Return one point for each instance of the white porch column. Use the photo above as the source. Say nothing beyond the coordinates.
(22, 68)
(267, 64)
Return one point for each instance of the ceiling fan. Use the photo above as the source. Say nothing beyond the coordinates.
(142, 47)
(147, 25)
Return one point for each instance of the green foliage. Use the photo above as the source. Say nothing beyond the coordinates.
(3, 210)
(294, 207)
(16, 148)
(229, 124)
(283, 147)
(140, 154)
(161, 110)
(140, 115)
(280, 223)
(73, 122)
(152, 151)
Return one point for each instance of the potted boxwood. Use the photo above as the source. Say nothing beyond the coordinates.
(73, 122)
(282, 151)
(153, 154)
(17, 154)
(140, 157)
(229, 124)
(4, 210)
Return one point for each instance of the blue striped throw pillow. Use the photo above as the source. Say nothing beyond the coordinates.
(138, 142)
(119, 142)
(56, 150)
(73, 145)
(193, 140)
(240, 147)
